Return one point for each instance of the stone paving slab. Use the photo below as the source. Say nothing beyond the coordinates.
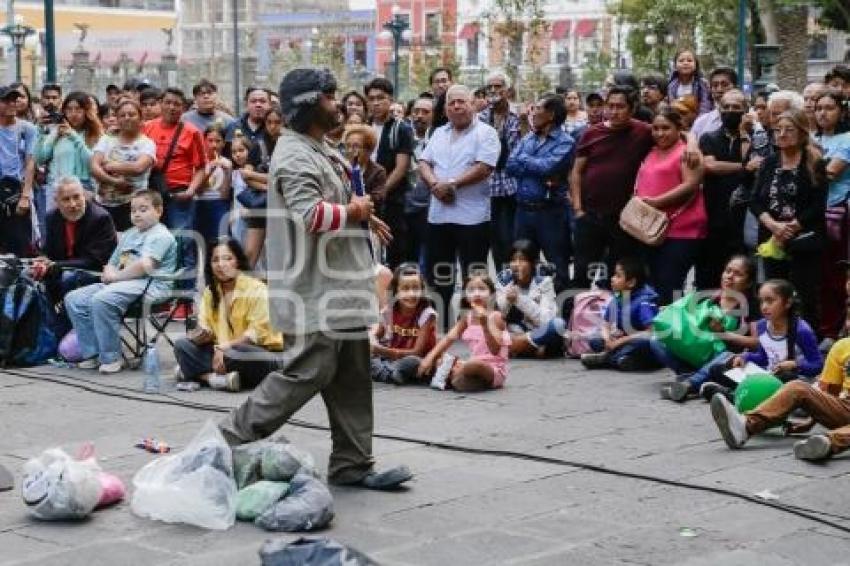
(461, 508)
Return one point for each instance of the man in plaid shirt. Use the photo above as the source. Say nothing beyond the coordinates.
(502, 186)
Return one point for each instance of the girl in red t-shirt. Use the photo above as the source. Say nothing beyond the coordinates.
(407, 331)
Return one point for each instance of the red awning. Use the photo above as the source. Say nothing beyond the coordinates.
(561, 29)
(585, 28)
(468, 31)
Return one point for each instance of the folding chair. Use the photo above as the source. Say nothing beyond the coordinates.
(158, 313)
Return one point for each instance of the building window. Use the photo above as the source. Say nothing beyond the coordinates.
(360, 51)
(472, 50)
(818, 46)
(433, 27)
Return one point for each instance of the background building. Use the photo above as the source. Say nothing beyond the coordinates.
(433, 26)
(571, 37)
(123, 38)
(274, 36)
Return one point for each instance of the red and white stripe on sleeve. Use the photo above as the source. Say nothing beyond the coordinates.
(328, 217)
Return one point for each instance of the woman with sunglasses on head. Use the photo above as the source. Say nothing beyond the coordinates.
(789, 201)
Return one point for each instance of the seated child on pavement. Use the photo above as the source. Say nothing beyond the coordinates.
(624, 340)
(483, 331)
(144, 262)
(407, 330)
(526, 299)
(787, 346)
(828, 404)
(735, 299)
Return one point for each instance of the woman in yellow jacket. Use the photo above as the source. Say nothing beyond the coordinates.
(234, 345)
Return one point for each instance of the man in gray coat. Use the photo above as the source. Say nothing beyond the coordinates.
(321, 289)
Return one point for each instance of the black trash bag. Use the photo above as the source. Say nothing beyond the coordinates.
(311, 551)
(307, 507)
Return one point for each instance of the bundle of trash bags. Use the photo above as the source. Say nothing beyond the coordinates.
(58, 487)
(279, 490)
(209, 485)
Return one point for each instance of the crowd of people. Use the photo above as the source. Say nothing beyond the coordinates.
(462, 201)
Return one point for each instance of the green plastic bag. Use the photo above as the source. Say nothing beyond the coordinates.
(254, 500)
(754, 390)
(683, 327)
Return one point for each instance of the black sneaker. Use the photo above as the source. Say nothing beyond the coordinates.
(709, 388)
(596, 360)
(388, 480)
(816, 447)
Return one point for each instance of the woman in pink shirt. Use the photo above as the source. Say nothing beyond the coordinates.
(665, 182)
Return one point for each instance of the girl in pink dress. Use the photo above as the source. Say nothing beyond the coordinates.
(484, 332)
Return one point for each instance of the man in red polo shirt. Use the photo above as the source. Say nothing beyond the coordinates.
(184, 173)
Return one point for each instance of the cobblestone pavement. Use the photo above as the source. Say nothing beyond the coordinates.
(462, 508)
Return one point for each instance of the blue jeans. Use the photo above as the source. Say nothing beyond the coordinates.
(669, 264)
(39, 193)
(697, 376)
(545, 227)
(210, 218)
(549, 336)
(502, 229)
(180, 215)
(96, 312)
(638, 352)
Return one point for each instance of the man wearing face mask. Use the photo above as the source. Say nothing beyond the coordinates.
(541, 164)
(721, 80)
(506, 122)
(728, 165)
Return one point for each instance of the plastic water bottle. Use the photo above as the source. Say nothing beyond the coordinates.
(150, 364)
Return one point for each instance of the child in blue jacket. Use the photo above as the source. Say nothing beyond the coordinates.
(624, 340)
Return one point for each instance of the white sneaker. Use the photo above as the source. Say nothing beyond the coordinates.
(817, 447)
(441, 376)
(226, 382)
(114, 367)
(731, 423)
(91, 363)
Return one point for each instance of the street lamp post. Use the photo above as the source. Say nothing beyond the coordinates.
(19, 33)
(398, 30)
(658, 39)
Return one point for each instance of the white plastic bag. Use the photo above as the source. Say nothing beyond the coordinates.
(58, 487)
(195, 486)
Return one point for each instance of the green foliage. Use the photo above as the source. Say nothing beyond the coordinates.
(509, 21)
(597, 67)
(714, 22)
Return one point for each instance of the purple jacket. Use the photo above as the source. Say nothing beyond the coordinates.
(701, 90)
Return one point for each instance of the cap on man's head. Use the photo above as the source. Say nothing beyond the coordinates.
(302, 87)
(137, 84)
(110, 88)
(9, 93)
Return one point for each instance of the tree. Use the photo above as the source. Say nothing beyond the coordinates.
(781, 21)
(596, 68)
(708, 27)
(517, 30)
(836, 14)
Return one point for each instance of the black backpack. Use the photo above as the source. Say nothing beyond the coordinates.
(28, 326)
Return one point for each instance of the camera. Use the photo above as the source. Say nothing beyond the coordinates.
(55, 118)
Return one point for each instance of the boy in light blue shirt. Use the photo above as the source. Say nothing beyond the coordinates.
(143, 263)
